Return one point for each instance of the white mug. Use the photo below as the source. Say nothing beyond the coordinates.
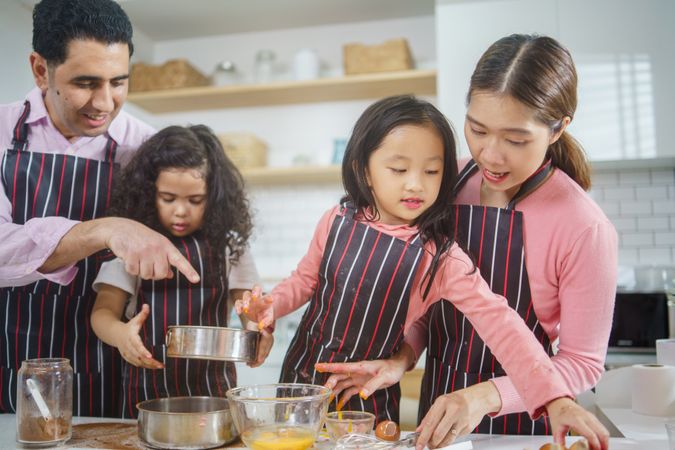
(306, 64)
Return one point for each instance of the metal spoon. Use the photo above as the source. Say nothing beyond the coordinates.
(39, 401)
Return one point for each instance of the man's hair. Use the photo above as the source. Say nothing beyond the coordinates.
(57, 22)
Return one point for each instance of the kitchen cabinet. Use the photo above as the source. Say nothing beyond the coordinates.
(353, 87)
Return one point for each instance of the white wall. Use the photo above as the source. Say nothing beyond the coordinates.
(16, 23)
(624, 51)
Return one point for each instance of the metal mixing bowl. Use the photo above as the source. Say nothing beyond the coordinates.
(225, 344)
(185, 422)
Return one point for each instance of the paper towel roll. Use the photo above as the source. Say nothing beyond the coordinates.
(654, 389)
(665, 352)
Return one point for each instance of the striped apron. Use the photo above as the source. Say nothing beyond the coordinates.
(358, 309)
(45, 319)
(176, 301)
(456, 356)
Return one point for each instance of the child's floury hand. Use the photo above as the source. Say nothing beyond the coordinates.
(130, 345)
(256, 307)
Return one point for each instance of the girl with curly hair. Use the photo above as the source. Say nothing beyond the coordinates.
(179, 183)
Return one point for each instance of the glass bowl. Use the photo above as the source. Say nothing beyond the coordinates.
(339, 423)
(279, 416)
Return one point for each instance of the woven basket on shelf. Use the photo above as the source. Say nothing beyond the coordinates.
(244, 149)
(389, 56)
(175, 73)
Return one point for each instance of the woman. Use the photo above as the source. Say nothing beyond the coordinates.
(537, 238)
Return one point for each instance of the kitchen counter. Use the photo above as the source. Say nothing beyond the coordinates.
(641, 432)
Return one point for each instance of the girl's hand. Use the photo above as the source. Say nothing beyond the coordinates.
(566, 414)
(264, 345)
(364, 377)
(457, 414)
(256, 307)
(131, 346)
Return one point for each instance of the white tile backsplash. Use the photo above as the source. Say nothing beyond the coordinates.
(619, 193)
(630, 207)
(285, 217)
(640, 203)
(634, 177)
(663, 176)
(656, 256)
(651, 192)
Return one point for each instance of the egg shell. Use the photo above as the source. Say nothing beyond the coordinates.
(388, 430)
(550, 446)
(581, 444)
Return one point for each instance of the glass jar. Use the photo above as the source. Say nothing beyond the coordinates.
(264, 66)
(44, 398)
(225, 74)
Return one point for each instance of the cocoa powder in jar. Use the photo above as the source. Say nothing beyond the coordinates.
(38, 429)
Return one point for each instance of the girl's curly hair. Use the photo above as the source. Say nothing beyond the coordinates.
(227, 221)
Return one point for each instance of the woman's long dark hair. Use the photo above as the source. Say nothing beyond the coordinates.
(540, 73)
(226, 223)
(437, 223)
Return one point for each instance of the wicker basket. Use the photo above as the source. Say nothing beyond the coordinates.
(175, 73)
(389, 56)
(244, 149)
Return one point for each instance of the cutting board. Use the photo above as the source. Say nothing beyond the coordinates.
(111, 435)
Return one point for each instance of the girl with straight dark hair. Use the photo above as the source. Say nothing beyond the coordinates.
(537, 238)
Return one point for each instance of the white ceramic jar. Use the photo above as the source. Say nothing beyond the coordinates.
(306, 65)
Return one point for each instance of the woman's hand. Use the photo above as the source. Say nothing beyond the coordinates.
(264, 345)
(131, 346)
(457, 414)
(565, 414)
(256, 307)
(364, 377)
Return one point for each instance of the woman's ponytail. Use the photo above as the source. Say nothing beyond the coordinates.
(567, 155)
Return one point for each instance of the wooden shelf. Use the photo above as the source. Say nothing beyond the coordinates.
(353, 87)
(292, 175)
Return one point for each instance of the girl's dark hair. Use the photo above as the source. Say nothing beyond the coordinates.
(227, 221)
(436, 224)
(57, 22)
(538, 72)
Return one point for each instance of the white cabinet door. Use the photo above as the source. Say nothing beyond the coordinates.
(625, 56)
(465, 29)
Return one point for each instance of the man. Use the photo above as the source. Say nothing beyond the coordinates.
(59, 149)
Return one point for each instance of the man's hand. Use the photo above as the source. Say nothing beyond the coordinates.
(145, 252)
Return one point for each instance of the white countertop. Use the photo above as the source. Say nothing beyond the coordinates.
(641, 433)
(650, 430)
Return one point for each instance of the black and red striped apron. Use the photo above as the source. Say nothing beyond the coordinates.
(176, 301)
(456, 356)
(45, 319)
(358, 309)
